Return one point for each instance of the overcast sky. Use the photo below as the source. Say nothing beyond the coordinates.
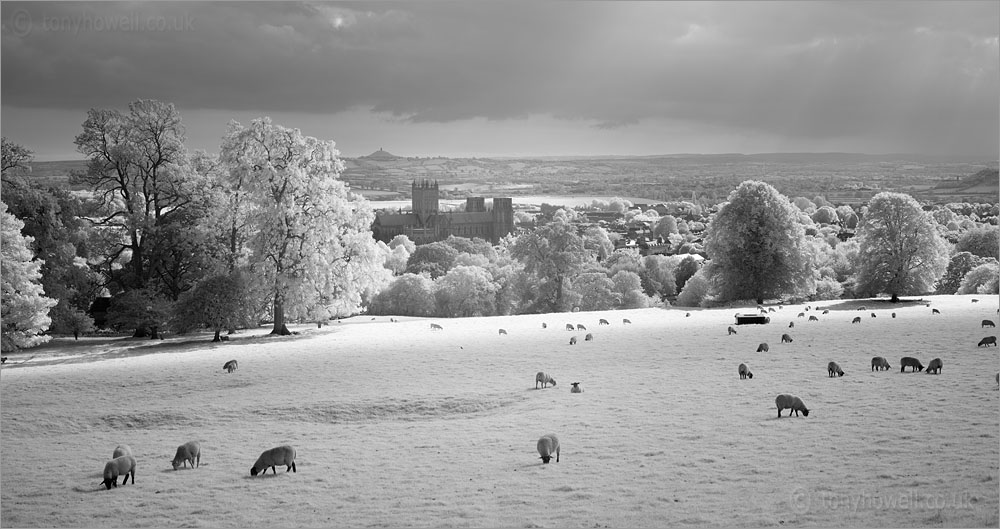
(511, 78)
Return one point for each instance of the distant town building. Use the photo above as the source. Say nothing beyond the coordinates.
(427, 223)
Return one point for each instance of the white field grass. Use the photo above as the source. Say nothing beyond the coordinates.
(397, 425)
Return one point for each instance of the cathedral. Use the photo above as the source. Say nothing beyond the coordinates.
(427, 223)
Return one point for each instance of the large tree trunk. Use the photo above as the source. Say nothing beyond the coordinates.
(279, 317)
(895, 298)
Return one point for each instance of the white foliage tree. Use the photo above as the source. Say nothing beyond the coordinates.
(24, 309)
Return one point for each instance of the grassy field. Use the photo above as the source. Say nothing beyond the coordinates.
(401, 426)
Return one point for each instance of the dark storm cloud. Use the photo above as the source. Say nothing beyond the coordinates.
(809, 69)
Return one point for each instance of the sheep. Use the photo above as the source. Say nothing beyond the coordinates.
(893, 314)
(572, 340)
(935, 311)
(833, 368)
(794, 404)
(862, 307)
(873, 315)
(435, 326)
(762, 348)
(230, 366)
(121, 450)
(626, 321)
(912, 362)
(934, 366)
(745, 372)
(548, 445)
(603, 322)
(503, 332)
(857, 319)
(544, 379)
(791, 324)
(588, 338)
(187, 452)
(580, 327)
(760, 308)
(771, 309)
(813, 318)
(119, 466)
(731, 330)
(826, 311)
(988, 323)
(569, 327)
(879, 363)
(544, 326)
(576, 388)
(987, 341)
(801, 315)
(282, 455)
(786, 338)
(687, 314)
(3, 359)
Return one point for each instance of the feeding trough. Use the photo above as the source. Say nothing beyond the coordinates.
(745, 319)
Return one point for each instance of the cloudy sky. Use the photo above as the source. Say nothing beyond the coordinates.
(513, 78)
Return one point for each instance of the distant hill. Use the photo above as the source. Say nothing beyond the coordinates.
(985, 181)
(381, 156)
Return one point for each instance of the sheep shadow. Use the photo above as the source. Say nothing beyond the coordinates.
(98, 488)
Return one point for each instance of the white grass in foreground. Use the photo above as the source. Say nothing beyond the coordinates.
(396, 425)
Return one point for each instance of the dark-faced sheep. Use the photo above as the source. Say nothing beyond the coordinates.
(880, 364)
(282, 455)
(988, 323)
(548, 445)
(189, 452)
(731, 330)
(794, 404)
(988, 341)
(503, 332)
(121, 450)
(862, 307)
(570, 327)
(893, 314)
(437, 327)
(762, 348)
(974, 300)
(572, 340)
(935, 311)
(833, 369)
(580, 327)
(771, 309)
(857, 319)
(589, 337)
(603, 321)
(544, 379)
(119, 466)
(791, 324)
(826, 311)
(230, 366)
(786, 338)
(813, 318)
(909, 361)
(873, 315)
(745, 372)
(934, 366)
(576, 388)
(801, 315)
(544, 326)
(626, 321)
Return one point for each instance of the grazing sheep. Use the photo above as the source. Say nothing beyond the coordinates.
(576, 388)
(833, 368)
(548, 445)
(771, 309)
(911, 362)
(119, 466)
(791, 324)
(862, 307)
(745, 372)
(934, 366)
(282, 455)
(625, 321)
(230, 366)
(603, 322)
(857, 319)
(503, 332)
(572, 340)
(544, 326)
(762, 348)
(879, 364)
(121, 450)
(801, 315)
(987, 341)
(187, 452)
(731, 330)
(760, 308)
(794, 404)
(687, 314)
(827, 311)
(435, 326)
(988, 323)
(935, 311)
(974, 300)
(3, 359)
(786, 338)
(873, 315)
(580, 327)
(544, 379)
(813, 318)
(569, 327)
(588, 338)
(893, 314)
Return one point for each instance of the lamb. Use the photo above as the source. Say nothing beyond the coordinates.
(576, 388)
(588, 338)
(786, 338)
(230, 366)
(833, 368)
(603, 322)
(572, 340)
(626, 321)
(745, 372)
(435, 326)
(813, 318)
(548, 445)
(187, 452)
(988, 323)
(120, 466)
(544, 379)
(569, 327)
(987, 341)
(762, 348)
(580, 327)
(731, 330)
(912, 362)
(879, 363)
(792, 403)
(857, 319)
(282, 455)
(934, 366)
(121, 450)
(503, 332)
